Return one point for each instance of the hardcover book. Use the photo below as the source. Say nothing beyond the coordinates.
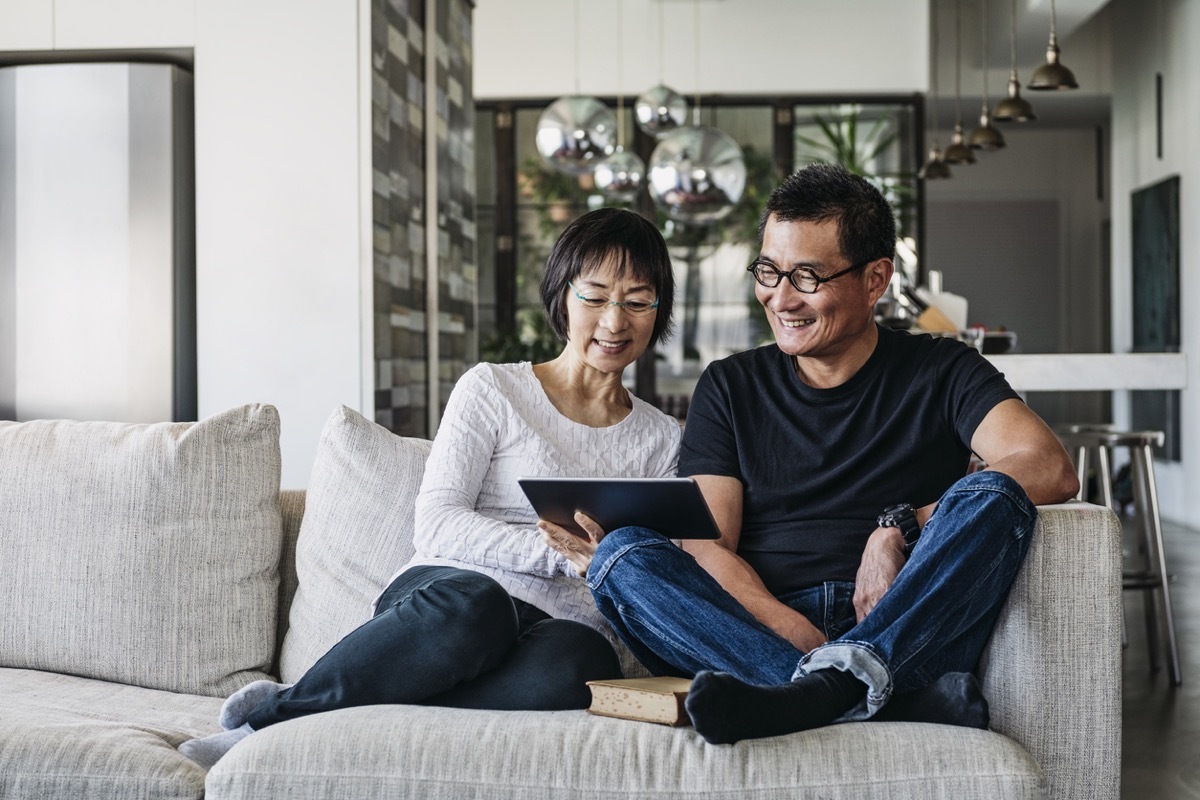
(643, 699)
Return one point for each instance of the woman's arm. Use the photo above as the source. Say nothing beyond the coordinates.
(475, 428)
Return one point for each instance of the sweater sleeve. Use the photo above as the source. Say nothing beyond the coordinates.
(448, 524)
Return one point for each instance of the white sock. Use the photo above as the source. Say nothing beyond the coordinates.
(208, 750)
(237, 708)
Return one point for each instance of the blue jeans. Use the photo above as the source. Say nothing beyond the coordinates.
(444, 636)
(935, 618)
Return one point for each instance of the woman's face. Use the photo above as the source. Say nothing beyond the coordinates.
(604, 336)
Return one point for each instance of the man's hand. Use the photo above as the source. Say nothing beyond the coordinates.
(577, 549)
(881, 563)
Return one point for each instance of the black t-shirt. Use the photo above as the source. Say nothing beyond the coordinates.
(818, 465)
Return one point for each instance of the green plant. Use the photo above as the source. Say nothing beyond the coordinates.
(533, 341)
(847, 140)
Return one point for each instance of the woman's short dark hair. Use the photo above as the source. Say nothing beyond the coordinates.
(624, 240)
(824, 192)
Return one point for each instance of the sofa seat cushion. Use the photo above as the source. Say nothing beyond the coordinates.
(142, 554)
(432, 753)
(65, 738)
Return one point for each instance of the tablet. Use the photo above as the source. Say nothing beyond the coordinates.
(672, 506)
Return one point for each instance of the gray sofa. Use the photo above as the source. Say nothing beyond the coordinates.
(148, 571)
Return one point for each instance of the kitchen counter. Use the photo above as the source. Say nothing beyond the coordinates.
(1065, 372)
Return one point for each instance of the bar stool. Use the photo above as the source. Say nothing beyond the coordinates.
(1152, 577)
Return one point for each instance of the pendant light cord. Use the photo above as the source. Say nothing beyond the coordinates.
(983, 50)
(933, 83)
(620, 78)
(958, 62)
(696, 32)
(1012, 40)
(577, 90)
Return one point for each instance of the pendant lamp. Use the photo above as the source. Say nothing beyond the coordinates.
(958, 152)
(1052, 75)
(986, 136)
(935, 168)
(1013, 108)
(620, 175)
(575, 132)
(660, 109)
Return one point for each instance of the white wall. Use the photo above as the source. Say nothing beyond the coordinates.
(1149, 38)
(280, 187)
(527, 48)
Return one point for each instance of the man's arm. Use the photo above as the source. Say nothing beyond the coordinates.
(720, 559)
(1010, 439)
(1014, 440)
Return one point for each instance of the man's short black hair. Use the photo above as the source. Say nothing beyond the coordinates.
(627, 241)
(825, 192)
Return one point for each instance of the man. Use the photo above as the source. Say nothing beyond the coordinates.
(859, 573)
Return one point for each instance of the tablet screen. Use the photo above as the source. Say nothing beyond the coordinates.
(672, 506)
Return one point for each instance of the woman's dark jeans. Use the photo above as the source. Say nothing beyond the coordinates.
(444, 636)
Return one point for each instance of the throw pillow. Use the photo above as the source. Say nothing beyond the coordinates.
(356, 532)
(142, 554)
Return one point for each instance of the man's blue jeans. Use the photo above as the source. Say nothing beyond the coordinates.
(935, 618)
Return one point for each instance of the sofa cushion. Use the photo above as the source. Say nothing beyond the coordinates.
(65, 738)
(142, 554)
(356, 532)
(431, 753)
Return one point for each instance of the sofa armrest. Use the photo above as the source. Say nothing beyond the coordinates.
(1052, 670)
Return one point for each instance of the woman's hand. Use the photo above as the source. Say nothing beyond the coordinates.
(577, 549)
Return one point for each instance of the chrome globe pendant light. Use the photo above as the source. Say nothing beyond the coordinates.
(660, 109)
(1052, 75)
(958, 152)
(1013, 108)
(575, 132)
(986, 136)
(697, 174)
(620, 176)
(935, 168)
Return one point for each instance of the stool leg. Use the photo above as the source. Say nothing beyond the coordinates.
(1104, 474)
(1144, 463)
(1081, 454)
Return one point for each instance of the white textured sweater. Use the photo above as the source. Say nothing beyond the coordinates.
(499, 425)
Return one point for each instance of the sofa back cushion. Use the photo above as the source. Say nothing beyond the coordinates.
(142, 554)
(356, 532)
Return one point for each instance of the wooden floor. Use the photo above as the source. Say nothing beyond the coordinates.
(1161, 729)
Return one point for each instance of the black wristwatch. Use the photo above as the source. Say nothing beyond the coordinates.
(901, 516)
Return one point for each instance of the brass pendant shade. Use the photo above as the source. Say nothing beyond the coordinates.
(986, 136)
(935, 168)
(958, 152)
(1013, 108)
(1052, 75)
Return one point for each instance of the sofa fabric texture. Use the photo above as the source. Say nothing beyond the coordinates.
(356, 533)
(142, 554)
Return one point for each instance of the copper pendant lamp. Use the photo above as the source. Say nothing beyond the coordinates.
(1052, 75)
(958, 152)
(935, 168)
(1013, 108)
(986, 136)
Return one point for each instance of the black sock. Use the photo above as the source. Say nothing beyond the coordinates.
(724, 710)
(953, 699)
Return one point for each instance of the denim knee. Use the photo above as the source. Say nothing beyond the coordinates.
(618, 543)
(991, 486)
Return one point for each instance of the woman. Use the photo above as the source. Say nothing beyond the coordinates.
(486, 615)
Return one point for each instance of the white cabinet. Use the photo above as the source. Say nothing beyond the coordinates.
(89, 25)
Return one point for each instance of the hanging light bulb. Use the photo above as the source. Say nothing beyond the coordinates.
(935, 168)
(986, 136)
(1052, 74)
(1013, 108)
(958, 152)
(619, 176)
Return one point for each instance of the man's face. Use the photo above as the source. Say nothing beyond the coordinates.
(828, 323)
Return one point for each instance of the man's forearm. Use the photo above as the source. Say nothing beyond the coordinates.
(741, 581)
